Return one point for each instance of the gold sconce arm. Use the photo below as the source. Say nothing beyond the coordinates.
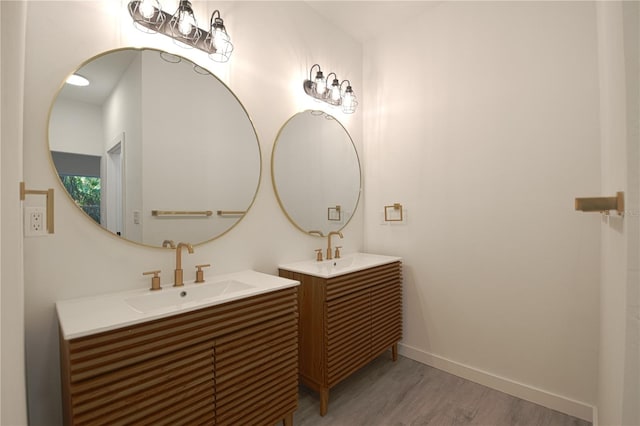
(49, 195)
(601, 204)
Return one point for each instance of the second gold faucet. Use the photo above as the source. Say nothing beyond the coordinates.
(178, 279)
(329, 254)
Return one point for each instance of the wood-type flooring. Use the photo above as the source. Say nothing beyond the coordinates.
(406, 392)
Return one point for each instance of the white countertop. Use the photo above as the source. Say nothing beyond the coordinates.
(89, 315)
(348, 263)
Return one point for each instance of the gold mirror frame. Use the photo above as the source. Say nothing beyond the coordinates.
(331, 211)
(221, 213)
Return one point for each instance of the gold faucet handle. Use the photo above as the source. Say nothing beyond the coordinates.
(155, 280)
(319, 255)
(200, 272)
(337, 254)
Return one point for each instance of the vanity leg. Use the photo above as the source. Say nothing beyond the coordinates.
(394, 352)
(324, 400)
(288, 420)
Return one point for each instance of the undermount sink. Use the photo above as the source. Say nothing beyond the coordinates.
(335, 267)
(177, 297)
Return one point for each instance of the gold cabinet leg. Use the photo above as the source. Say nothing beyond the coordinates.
(394, 352)
(324, 401)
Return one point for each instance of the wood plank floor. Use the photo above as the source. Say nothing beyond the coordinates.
(407, 392)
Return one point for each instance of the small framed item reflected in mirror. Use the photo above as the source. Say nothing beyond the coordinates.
(393, 213)
(334, 213)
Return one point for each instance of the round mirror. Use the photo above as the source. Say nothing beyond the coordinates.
(316, 172)
(155, 148)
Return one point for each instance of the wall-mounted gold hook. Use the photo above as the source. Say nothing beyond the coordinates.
(602, 204)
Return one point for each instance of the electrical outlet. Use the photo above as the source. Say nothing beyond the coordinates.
(34, 221)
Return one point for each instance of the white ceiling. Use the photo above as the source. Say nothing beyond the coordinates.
(103, 74)
(364, 19)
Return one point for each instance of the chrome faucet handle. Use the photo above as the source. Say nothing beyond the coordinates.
(337, 253)
(200, 272)
(319, 255)
(155, 280)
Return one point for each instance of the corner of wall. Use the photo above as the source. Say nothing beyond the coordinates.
(13, 401)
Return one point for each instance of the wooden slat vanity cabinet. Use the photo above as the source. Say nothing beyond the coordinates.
(345, 322)
(230, 364)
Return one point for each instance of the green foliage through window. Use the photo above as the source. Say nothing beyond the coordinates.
(86, 192)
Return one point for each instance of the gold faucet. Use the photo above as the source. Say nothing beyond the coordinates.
(329, 254)
(178, 282)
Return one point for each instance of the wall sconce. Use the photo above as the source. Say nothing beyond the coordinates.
(182, 27)
(319, 88)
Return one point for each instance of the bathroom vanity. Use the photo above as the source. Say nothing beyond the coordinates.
(227, 359)
(350, 313)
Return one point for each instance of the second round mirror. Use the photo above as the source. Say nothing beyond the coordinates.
(316, 172)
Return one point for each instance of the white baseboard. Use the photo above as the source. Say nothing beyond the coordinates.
(538, 396)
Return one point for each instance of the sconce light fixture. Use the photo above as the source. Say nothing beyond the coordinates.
(330, 92)
(182, 27)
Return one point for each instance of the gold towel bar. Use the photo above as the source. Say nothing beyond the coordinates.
(180, 213)
(231, 212)
(602, 204)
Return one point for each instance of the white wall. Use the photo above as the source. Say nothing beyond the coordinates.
(619, 352)
(121, 118)
(481, 118)
(12, 388)
(266, 73)
(76, 127)
(631, 25)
